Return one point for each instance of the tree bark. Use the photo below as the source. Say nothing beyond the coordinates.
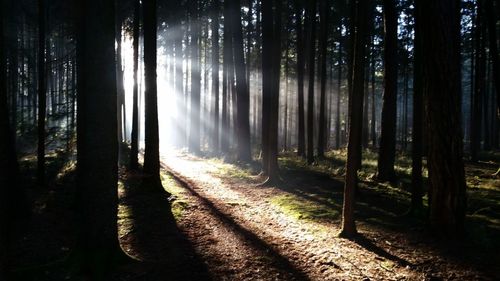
(151, 140)
(97, 169)
(355, 125)
(311, 16)
(325, 9)
(387, 150)
(301, 142)
(418, 110)
(42, 107)
(215, 72)
(442, 95)
(242, 89)
(494, 54)
(134, 142)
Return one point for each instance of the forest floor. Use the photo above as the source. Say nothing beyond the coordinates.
(222, 225)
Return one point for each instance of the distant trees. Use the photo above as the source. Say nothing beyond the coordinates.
(299, 27)
(442, 95)
(311, 59)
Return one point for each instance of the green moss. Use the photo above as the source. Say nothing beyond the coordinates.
(180, 204)
(303, 209)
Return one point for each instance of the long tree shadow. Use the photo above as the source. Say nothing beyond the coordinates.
(382, 207)
(149, 232)
(275, 259)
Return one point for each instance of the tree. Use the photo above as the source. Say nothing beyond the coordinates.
(325, 9)
(495, 55)
(242, 89)
(355, 125)
(215, 72)
(387, 150)
(8, 164)
(42, 107)
(152, 141)
(479, 83)
(311, 16)
(194, 114)
(418, 110)
(271, 57)
(301, 149)
(134, 143)
(97, 143)
(442, 95)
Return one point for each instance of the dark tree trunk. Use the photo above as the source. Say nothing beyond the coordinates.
(301, 142)
(325, 9)
(194, 113)
(242, 89)
(479, 83)
(495, 55)
(387, 150)
(311, 16)
(228, 58)
(121, 116)
(215, 73)
(151, 140)
(339, 91)
(355, 125)
(418, 110)
(442, 95)
(374, 100)
(42, 107)
(97, 169)
(10, 192)
(134, 142)
(271, 56)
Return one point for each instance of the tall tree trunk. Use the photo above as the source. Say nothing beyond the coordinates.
(387, 150)
(215, 72)
(228, 58)
(242, 89)
(325, 9)
(442, 95)
(42, 107)
(97, 158)
(134, 142)
(311, 11)
(121, 116)
(339, 91)
(374, 100)
(418, 110)
(494, 53)
(301, 142)
(151, 140)
(355, 125)
(194, 113)
(479, 83)
(271, 56)
(10, 193)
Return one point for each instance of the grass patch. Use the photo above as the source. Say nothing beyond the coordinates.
(180, 204)
(303, 209)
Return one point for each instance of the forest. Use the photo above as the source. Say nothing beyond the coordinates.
(249, 140)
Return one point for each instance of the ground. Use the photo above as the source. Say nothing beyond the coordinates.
(222, 225)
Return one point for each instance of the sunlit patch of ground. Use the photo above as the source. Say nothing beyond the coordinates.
(298, 221)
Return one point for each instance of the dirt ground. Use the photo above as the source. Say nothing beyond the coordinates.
(222, 225)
